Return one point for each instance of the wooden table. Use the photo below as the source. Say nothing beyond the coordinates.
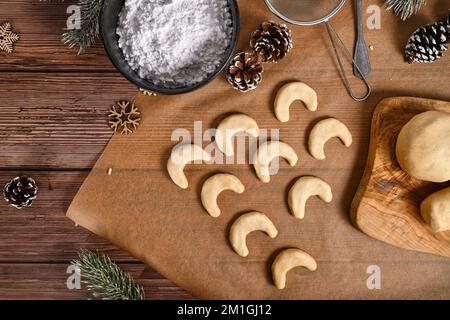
(53, 127)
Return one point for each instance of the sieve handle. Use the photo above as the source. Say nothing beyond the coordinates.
(361, 54)
(336, 40)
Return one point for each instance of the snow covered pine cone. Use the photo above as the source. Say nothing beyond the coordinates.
(271, 41)
(20, 192)
(245, 71)
(427, 44)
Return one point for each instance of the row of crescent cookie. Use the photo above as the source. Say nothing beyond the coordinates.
(323, 131)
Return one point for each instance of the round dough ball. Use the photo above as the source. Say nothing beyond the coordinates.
(423, 146)
(435, 210)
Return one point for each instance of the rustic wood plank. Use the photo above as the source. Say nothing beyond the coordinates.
(49, 281)
(57, 120)
(41, 115)
(40, 25)
(387, 203)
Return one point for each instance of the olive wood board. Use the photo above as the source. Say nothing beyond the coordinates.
(386, 204)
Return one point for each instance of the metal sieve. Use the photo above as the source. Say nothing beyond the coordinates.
(313, 12)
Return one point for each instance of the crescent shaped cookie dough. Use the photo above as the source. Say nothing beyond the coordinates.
(324, 131)
(268, 151)
(230, 126)
(423, 146)
(246, 223)
(179, 157)
(213, 186)
(303, 189)
(287, 260)
(291, 92)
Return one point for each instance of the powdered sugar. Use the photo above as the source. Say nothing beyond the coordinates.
(174, 43)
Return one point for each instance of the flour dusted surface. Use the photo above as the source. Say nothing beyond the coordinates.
(174, 43)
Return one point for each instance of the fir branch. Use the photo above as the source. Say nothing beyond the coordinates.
(85, 36)
(105, 279)
(405, 8)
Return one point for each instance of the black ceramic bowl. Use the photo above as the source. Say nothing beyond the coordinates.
(108, 23)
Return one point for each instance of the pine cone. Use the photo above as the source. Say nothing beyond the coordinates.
(20, 192)
(427, 44)
(271, 41)
(245, 72)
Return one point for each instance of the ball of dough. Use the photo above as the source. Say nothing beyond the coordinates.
(435, 210)
(423, 146)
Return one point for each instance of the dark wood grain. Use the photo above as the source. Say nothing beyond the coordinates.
(49, 281)
(57, 120)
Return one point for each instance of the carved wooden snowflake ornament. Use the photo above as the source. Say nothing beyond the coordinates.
(124, 117)
(7, 38)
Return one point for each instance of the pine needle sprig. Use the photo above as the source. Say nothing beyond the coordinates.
(105, 279)
(85, 36)
(405, 8)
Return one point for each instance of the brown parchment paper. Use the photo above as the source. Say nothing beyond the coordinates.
(139, 209)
